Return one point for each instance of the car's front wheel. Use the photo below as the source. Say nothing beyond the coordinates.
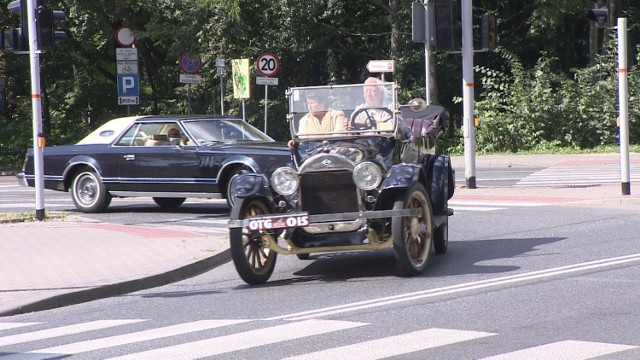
(168, 203)
(89, 193)
(253, 261)
(413, 235)
(441, 238)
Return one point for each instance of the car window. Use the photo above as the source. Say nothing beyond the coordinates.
(209, 131)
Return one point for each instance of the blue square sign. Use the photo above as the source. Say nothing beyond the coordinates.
(128, 85)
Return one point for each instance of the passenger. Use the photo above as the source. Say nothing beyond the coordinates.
(174, 136)
(320, 118)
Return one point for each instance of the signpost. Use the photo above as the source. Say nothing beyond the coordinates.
(268, 65)
(191, 64)
(127, 66)
(220, 66)
(381, 66)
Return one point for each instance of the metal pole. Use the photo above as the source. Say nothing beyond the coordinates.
(623, 99)
(243, 113)
(220, 71)
(467, 95)
(266, 91)
(427, 58)
(36, 106)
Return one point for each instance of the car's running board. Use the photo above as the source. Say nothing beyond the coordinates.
(165, 194)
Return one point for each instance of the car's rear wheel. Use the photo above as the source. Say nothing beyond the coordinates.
(413, 235)
(253, 261)
(168, 203)
(89, 193)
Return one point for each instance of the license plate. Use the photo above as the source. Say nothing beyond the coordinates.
(277, 222)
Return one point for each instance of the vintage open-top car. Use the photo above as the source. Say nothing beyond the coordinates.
(371, 180)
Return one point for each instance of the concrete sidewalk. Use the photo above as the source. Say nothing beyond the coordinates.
(54, 263)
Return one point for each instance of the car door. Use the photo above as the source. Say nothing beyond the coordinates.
(150, 163)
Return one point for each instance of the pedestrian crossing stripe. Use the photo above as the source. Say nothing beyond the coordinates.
(235, 342)
(564, 350)
(7, 326)
(394, 345)
(64, 330)
(576, 176)
(145, 335)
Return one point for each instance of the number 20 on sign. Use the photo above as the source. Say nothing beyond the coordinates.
(268, 64)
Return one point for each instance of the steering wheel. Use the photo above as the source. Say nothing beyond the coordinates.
(382, 114)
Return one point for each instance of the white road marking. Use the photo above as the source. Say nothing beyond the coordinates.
(111, 341)
(7, 326)
(244, 340)
(64, 330)
(453, 289)
(564, 350)
(394, 345)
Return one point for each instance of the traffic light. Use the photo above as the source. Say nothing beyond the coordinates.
(448, 25)
(17, 40)
(46, 21)
(489, 32)
(600, 14)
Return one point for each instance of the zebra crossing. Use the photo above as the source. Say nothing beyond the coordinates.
(578, 175)
(224, 338)
(459, 206)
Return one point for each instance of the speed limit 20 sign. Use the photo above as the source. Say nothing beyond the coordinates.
(268, 64)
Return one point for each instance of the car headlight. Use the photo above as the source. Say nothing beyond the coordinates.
(367, 175)
(284, 181)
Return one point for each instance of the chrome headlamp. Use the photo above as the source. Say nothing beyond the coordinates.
(367, 175)
(285, 181)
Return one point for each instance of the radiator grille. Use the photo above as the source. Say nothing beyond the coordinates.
(328, 192)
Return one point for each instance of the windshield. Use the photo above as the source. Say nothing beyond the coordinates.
(342, 110)
(228, 130)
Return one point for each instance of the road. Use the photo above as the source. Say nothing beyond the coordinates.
(548, 280)
(518, 282)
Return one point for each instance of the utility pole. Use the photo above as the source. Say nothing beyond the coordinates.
(468, 95)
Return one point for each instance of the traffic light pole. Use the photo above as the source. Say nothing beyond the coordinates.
(36, 105)
(623, 100)
(467, 95)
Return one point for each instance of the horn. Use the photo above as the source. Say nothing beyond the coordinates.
(417, 104)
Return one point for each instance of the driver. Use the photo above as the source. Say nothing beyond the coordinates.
(320, 118)
(374, 116)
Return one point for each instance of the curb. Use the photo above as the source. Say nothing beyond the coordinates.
(125, 287)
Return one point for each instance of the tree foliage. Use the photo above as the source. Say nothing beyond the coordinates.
(537, 90)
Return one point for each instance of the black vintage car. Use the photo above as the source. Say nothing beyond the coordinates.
(374, 183)
(168, 158)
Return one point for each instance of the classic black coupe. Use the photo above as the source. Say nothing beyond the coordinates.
(168, 158)
(366, 177)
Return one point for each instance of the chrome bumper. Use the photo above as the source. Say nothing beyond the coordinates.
(22, 180)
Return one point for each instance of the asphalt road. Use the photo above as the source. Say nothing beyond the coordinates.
(554, 280)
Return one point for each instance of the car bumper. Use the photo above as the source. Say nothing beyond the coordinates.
(22, 180)
(319, 218)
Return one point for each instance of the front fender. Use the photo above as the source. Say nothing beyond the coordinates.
(251, 184)
(402, 176)
(399, 178)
